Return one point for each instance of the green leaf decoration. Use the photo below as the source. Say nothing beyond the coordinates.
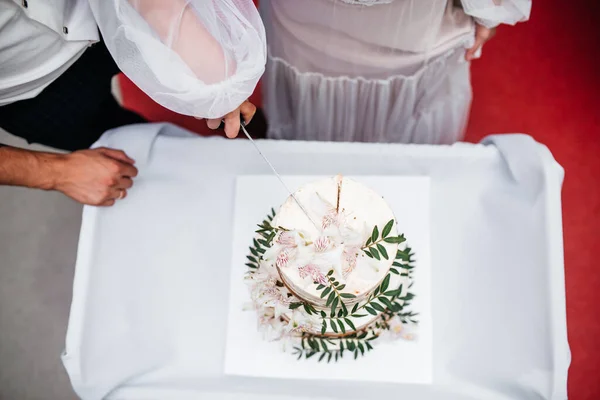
(403, 255)
(333, 325)
(324, 345)
(375, 254)
(337, 355)
(350, 324)
(351, 345)
(368, 253)
(325, 292)
(324, 328)
(375, 234)
(341, 325)
(344, 309)
(307, 309)
(330, 273)
(341, 287)
(387, 228)
(361, 348)
(252, 265)
(378, 307)
(334, 305)
(355, 354)
(383, 251)
(385, 283)
(387, 303)
(359, 315)
(394, 271)
(368, 345)
(395, 239)
(320, 287)
(329, 358)
(368, 242)
(354, 308)
(409, 296)
(330, 299)
(341, 346)
(293, 306)
(370, 310)
(322, 357)
(309, 355)
(348, 295)
(252, 259)
(392, 293)
(254, 252)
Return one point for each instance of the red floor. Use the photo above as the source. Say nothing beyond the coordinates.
(541, 78)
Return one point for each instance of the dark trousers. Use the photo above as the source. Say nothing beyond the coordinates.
(73, 111)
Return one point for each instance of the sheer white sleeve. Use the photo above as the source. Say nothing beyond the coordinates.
(492, 13)
(195, 57)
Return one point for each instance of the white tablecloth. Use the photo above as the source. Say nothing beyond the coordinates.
(148, 318)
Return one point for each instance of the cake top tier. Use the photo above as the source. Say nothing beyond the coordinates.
(352, 218)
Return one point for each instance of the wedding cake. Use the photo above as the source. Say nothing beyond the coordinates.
(330, 273)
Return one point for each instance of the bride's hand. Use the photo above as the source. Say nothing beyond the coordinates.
(482, 35)
(232, 120)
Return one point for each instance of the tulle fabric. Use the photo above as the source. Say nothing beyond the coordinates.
(196, 57)
(491, 13)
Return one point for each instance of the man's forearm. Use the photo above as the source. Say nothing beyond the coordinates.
(34, 169)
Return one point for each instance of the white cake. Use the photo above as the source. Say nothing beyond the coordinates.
(330, 272)
(345, 213)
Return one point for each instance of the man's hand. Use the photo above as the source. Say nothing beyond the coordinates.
(482, 35)
(95, 177)
(232, 120)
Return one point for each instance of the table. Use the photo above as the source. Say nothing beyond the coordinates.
(147, 268)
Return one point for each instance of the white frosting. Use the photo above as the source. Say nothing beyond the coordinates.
(304, 254)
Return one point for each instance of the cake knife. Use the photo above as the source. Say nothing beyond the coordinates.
(243, 126)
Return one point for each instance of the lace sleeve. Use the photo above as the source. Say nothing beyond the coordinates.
(492, 13)
(195, 57)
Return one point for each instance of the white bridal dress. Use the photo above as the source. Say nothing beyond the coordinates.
(374, 70)
(339, 70)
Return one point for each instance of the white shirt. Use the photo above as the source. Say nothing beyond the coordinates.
(39, 40)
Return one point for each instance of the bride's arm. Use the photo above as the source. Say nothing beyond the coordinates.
(179, 28)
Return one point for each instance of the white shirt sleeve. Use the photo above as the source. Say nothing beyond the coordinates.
(491, 13)
(195, 57)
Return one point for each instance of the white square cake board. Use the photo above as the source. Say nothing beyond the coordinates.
(399, 361)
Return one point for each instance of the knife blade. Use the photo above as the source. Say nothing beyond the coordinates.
(243, 127)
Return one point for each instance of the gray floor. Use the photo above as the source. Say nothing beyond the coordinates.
(38, 241)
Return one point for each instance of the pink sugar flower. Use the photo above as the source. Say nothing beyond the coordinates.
(282, 259)
(287, 239)
(314, 272)
(322, 243)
